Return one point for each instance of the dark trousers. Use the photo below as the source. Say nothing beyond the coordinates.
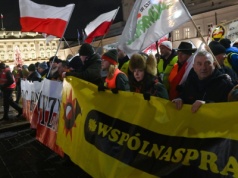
(8, 101)
(18, 93)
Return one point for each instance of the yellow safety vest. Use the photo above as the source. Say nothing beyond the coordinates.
(164, 74)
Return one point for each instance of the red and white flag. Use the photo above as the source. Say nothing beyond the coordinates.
(190, 63)
(1, 16)
(100, 25)
(154, 46)
(44, 18)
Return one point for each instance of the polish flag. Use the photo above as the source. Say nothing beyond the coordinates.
(100, 25)
(1, 16)
(44, 18)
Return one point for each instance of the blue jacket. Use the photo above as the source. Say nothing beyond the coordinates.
(232, 57)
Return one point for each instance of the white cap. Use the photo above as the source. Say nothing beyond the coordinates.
(167, 44)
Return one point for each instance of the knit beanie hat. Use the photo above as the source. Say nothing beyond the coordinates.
(86, 50)
(167, 44)
(43, 65)
(75, 63)
(137, 61)
(225, 42)
(217, 48)
(111, 56)
(32, 67)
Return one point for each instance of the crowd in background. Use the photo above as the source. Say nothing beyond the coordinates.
(212, 78)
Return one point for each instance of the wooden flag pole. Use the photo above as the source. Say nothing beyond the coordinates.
(203, 40)
(68, 45)
(207, 47)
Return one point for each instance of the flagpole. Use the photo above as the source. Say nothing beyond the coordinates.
(203, 40)
(84, 35)
(108, 28)
(157, 46)
(68, 45)
(78, 36)
(2, 23)
(60, 41)
(207, 47)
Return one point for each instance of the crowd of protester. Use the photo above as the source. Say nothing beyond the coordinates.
(212, 78)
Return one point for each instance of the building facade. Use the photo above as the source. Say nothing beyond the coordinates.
(26, 46)
(33, 46)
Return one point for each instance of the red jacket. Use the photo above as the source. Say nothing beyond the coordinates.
(7, 79)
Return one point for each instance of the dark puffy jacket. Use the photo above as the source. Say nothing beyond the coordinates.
(232, 56)
(91, 70)
(213, 89)
(34, 76)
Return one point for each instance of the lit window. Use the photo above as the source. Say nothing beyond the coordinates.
(186, 32)
(176, 34)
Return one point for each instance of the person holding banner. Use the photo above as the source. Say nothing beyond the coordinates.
(205, 83)
(91, 69)
(184, 51)
(63, 66)
(145, 78)
(53, 73)
(75, 64)
(33, 74)
(43, 69)
(115, 79)
(8, 84)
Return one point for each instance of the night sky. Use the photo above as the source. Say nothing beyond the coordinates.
(84, 12)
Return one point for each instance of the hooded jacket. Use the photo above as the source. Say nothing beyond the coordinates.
(232, 57)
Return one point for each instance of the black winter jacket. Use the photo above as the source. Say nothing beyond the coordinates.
(34, 76)
(213, 89)
(91, 70)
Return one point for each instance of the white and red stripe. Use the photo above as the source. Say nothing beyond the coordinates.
(44, 18)
(100, 25)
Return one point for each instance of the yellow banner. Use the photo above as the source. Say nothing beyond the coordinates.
(123, 135)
